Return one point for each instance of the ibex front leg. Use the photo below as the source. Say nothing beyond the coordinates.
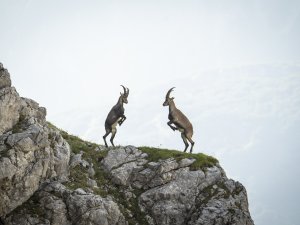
(123, 118)
(172, 127)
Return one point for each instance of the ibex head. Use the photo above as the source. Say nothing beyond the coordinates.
(168, 99)
(125, 95)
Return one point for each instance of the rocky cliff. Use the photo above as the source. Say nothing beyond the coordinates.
(50, 177)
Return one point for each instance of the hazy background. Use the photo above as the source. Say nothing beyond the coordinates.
(235, 66)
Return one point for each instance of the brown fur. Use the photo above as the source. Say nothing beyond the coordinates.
(178, 121)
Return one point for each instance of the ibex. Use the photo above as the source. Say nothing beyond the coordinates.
(115, 116)
(180, 121)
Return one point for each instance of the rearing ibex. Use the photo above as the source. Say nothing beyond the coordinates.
(180, 121)
(116, 116)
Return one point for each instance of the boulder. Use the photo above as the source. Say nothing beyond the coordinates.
(56, 205)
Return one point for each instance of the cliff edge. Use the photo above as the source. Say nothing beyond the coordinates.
(48, 176)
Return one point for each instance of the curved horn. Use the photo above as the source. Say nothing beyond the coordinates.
(127, 91)
(169, 92)
(124, 89)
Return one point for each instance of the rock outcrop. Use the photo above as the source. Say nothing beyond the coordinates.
(50, 177)
(56, 205)
(30, 151)
(173, 194)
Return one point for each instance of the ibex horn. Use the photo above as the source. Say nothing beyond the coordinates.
(124, 89)
(169, 92)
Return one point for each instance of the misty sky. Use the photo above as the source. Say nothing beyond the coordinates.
(235, 66)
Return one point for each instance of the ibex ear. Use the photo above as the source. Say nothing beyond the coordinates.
(120, 93)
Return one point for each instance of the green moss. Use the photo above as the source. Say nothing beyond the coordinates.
(202, 160)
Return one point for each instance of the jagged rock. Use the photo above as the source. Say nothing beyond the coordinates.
(77, 160)
(186, 162)
(4, 77)
(10, 105)
(122, 162)
(225, 204)
(121, 156)
(175, 194)
(60, 154)
(57, 205)
(30, 152)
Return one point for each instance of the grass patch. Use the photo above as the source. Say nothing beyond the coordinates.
(78, 177)
(202, 160)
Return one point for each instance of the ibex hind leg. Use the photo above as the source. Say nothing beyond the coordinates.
(185, 141)
(192, 143)
(113, 134)
(105, 135)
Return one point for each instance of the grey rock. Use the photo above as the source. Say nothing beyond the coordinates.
(122, 163)
(186, 162)
(129, 195)
(80, 191)
(29, 161)
(60, 155)
(10, 105)
(31, 153)
(92, 183)
(62, 206)
(100, 148)
(226, 204)
(76, 159)
(91, 170)
(173, 194)
(120, 156)
(4, 77)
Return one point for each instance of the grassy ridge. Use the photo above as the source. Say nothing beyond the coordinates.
(202, 160)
